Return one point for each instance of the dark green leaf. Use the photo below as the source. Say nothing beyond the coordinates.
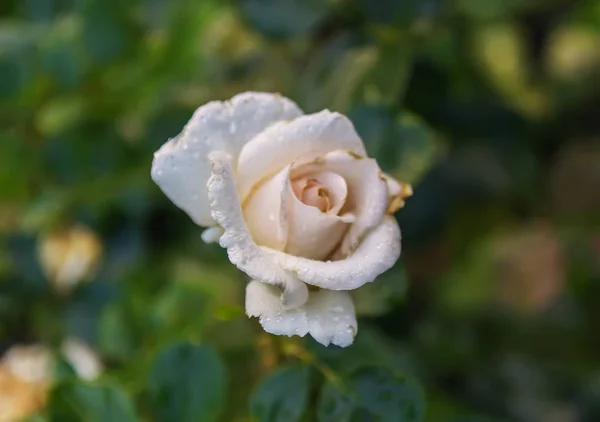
(36, 417)
(282, 396)
(105, 37)
(334, 405)
(187, 384)
(372, 394)
(17, 63)
(73, 401)
(403, 144)
(115, 334)
(284, 18)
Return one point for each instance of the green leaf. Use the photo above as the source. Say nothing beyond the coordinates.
(36, 417)
(72, 401)
(17, 52)
(395, 12)
(282, 396)
(378, 298)
(403, 144)
(105, 32)
(187, 384)
(372, 393)
(43, 212)
(334, 405)
(115, 333)
(415, 147)
(284, 18)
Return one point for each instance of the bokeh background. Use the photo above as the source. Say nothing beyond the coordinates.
(113, 309)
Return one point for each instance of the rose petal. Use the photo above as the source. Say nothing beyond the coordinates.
(328, 316)
(312, 233)
(377, 253)
(212, 234)
(181, 167)
(397, 193)
(265, 211)
(367, 192)
(283, 142)
(337, 188)
(256, 261)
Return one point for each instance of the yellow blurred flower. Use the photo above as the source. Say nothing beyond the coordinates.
(531, 268)
(25, 375)
(69, 256)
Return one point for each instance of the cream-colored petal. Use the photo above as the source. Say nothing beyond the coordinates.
(181, 166)
(367, 192)
(328, 316)
(378, 252)
(337, 188)
(212, 234)
(312, 233)
(257, 262)
(262, 301)
(397, 193)
(394, 187)
(265, 211)
(283, 142)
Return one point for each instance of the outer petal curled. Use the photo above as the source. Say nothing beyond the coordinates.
(377, 253)
(181, 166)
(327, 316)
(257, 262)
(285, 141)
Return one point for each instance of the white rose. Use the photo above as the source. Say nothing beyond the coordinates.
(296, 203)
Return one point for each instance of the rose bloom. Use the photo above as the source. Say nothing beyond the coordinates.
(27, 374)
(296, 202)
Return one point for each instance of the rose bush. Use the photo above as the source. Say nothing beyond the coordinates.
(296, 202)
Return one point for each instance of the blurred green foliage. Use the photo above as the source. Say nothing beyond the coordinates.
(489, 108)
